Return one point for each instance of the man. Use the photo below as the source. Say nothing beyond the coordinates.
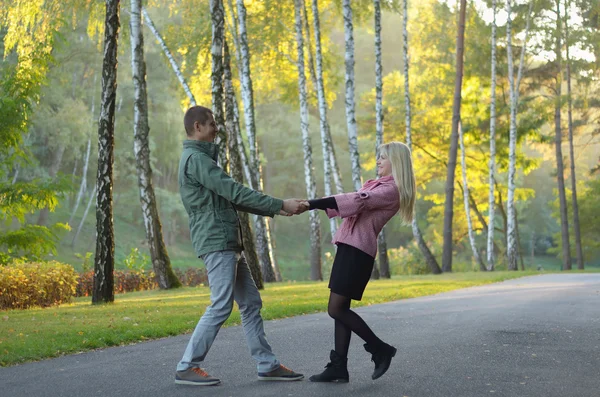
(211, 198)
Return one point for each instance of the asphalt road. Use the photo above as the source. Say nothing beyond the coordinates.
(534, 336)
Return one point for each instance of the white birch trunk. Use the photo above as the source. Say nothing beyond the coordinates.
(233, 130)
(309, 175)
(427, 254)
(324, 127)
(511, 237)
(169, 56)
(463, 164)
(218, 31)
(492, 163)
(85, 214)
(161, 263)
(350, 106)
(384, 264)
(83, 184)
(263, 236)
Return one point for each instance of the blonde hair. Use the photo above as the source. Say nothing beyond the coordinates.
(402, 170)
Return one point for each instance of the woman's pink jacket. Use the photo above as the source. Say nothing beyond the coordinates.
(365, 213)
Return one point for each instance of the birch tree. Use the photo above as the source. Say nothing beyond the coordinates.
(384, 263)
(85, 214)
(449, 203)
(492, 163)
(217, 14)
(350, 106)
(512, 241)
(511, 237)
(83, 184)
(427, 254)
(261, 226)
(463, 164)
(309, 175)
(169, 56)
(326, 144)
(104, 260)
(235, 165)
(161, 263)
(575, 205)
(564, 219)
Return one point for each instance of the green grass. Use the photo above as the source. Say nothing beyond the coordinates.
(34, 334)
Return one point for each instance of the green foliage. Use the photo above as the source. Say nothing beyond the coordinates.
(28, 284)
(18, 88)
(136, 261)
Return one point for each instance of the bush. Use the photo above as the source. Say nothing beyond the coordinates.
(23, 285)
(407, 260)
(192, 276)
(125, 281)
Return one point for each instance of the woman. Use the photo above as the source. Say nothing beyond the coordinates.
(364, 214)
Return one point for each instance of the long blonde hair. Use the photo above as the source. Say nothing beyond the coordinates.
(402, 170)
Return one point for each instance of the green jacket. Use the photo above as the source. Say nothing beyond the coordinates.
(211, 198)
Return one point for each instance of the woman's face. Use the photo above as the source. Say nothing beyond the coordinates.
(384, 166)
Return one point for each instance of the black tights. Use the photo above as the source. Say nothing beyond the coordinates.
(346, 322)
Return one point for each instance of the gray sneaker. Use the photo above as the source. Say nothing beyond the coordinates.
(196, 377)
(281, 373)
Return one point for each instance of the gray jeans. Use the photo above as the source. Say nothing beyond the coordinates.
(230, 279)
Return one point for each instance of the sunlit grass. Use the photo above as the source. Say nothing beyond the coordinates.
(34, 334)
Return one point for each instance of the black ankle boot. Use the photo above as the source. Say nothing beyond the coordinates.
(382, 357)
(335, 371)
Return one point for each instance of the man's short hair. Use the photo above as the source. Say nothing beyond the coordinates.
(193, 114)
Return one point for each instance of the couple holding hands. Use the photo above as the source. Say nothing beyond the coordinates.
(212, 198)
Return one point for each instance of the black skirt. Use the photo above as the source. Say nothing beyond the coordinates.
(351, 271)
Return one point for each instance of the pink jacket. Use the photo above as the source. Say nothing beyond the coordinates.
(365, 213)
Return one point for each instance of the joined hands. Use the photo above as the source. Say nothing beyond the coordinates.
(294, 207)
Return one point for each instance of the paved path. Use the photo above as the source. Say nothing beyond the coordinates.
(534, 336)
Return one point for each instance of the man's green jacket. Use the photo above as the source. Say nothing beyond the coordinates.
(211, 198)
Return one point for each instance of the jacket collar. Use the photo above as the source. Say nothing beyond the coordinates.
(208, 148)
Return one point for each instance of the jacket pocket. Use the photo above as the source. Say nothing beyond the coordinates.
(230, 222)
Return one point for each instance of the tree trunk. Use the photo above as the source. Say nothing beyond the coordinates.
(564, 220)
(52, 171)
(263, 235)
(83, 184)
(448, 206)
(324, 125)
(104, 260)
(350, 106)
(576, 228)
(169, 56)
(384, 264)
(85, 214)
(511, 236)
(492, 164)
(427, 254)
(235, 165)
(217, 14)
(309, 174)
(463, 163)
(161, 263)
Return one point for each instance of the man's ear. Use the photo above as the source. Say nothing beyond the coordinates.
(196, 125)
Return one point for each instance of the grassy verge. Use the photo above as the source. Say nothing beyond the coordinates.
(34, 334)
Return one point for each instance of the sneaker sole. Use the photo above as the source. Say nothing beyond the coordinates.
(388, 366)
(274, 378)
(192, 383)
